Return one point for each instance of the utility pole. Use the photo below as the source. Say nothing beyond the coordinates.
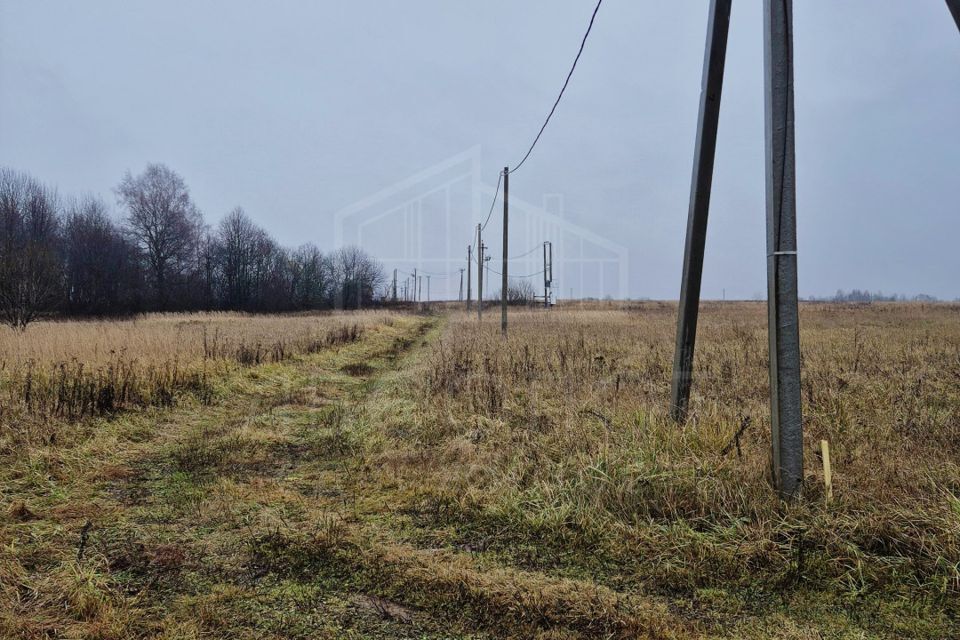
(547, 273)
(469, 279)
(419, 288)
(506, 226)
(783, 322)
(479, 272)
(460, 296)
(550, 247)
(700, 188)
(486, 261)
(954, 6)
(428, 289)
(415, 284)
(394, 285)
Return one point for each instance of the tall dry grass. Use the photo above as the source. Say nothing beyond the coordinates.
(66, 371)
(559, 436)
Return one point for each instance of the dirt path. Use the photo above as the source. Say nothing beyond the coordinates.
(271, 513)
(168, 523)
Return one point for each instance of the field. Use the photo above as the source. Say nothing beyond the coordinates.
(402, 475)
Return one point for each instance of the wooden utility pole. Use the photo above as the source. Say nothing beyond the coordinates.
(469, 278)
(460, 296)
(783, 323)
(394, 285)
(428, 289)
(700, 188)
(503, 290)
(479, 272)
(419, 288)
(415, 281)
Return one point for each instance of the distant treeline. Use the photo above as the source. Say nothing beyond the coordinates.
(69, 256)
(856, 295)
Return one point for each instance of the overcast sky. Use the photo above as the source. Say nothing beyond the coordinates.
(295, 110)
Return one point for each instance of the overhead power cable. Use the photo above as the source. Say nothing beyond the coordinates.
(495, 194)
(564, 88)
(529, 275)
(524, 255)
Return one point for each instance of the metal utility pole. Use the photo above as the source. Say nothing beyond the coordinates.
(547, 273)
(954, 6)
(394, 285)
(460, 296)
(783, 323)
(469, 279)
(479, 272)
(486, 261)
(503, 290)
(701, 185)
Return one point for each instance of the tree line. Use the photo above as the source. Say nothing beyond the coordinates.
(71, 257)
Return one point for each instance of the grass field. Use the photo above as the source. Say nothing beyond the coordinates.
(388, 475)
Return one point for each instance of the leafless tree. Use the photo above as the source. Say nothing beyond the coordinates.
(519, 292)
(236, 245)
(165, 223)
(311, 274)
(101, 271)
(30, 271)
(356, 277)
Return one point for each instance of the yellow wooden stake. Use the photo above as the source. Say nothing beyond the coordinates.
(827, 473)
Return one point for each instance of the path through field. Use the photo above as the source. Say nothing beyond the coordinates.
(311, 498)
(257, 517)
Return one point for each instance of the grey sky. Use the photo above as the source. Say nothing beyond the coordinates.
(296, 109)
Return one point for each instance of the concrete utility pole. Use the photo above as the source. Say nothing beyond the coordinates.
(783, 323)
(954, 6)
(782, 302)
(701, 185)
(503, 290)
(460, 296)
(469, 278)
(479, 272)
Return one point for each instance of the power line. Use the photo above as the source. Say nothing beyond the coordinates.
(529, 275)
(564, 88)
(495, 194)
(524, 255)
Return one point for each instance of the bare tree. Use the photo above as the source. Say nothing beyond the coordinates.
(165, 223)
(236, 241)
(520, 292)
(30, 272)
(100, 264)
(311, 276)
(356, 277)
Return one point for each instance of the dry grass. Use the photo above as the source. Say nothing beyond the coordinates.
(554, 447)
(427, 478)
(159, 338)
(66, 371)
